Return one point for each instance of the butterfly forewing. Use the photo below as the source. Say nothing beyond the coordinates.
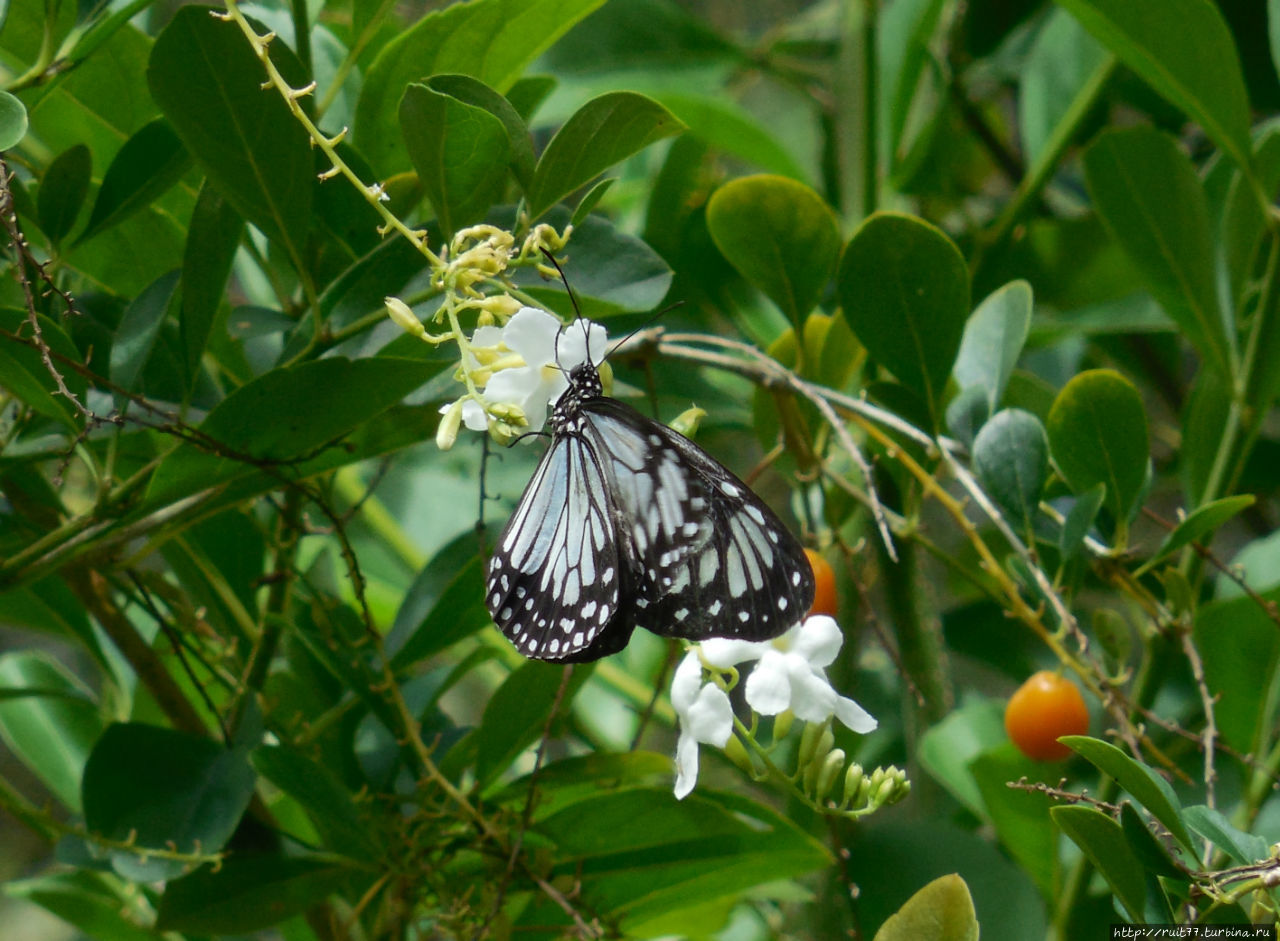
(628, 524)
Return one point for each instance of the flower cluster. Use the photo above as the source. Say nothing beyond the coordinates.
(788, 679)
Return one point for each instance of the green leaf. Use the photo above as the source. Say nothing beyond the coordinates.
(517, 713)
(780, 236)
(24, 374)
(904, 288)
(993, 339)
(458, 610)
(212, 238)
(731, 128)
(139, 327)
(1202, 522)
(51, 734)
(604, 131)
(1151, 200)
(286, 416)
(160, 788)
(248, 893)
(475, 92)
(492, 40)
(1080, 519)
(460, 154)
(1104, 844)
(1011, 461)
(1148, 788)
(949, 748)
(62, 191)
(1183, 49)
(1098, 435)
(589, 201)
(1020, 817)
(93, 903)
(941, 911)
(1240, 648)
(1146, 848)
(206, 79)
(1060, 64)
(322, 796)
(1244, 848)
(13, 121)
(150, 162)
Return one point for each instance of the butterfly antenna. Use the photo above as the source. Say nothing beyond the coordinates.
(644, 326)
(573, 299)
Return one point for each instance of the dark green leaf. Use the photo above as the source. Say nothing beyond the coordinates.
(13, 121)
(1061, 63)
(1148, 788)
(93, 903)
(247, 894)
(62, 191)
(993, 340)
(1245, 849)
(212, 238)
(1146, 848)
(206, 79)
(1151, 200)
(475, 92)
(517, 713)
(1240, 648)
(1020, 817)
(460, 154)
(589, 201)
(598, 135)
(1104, 844)
(949, 748)
(1080, 519)
(322, 796)
(139, 327)
(780, 236)
(492, 40)
(904, 288)
(1202, 522)
(51, 734)
(1011, 461)
(730, 128)
(161, 788)
(458, 610)
(1183, 49)
(24, 373)
(1098, 434)
(941, 911)
(150, 162)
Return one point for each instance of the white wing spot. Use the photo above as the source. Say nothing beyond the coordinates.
(505, 615)
(744, 616)
(588, 609)
(715, 609)
(782, 604)
(728, 489)
(755, 514)
(795, 578)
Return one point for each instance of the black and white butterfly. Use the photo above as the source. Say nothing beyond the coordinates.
(626, 524)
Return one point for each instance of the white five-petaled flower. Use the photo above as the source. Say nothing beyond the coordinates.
(790, 674)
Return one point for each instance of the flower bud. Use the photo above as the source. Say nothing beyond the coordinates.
(447, 433)
(854, 780)
(827, 775)
(782, 725)
(736, 752)
(510, 413)
(404, 317)
(687, 422)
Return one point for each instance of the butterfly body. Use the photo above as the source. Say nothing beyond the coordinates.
(625, 524)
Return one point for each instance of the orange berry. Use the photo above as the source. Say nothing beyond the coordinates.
(1046, 706)
(824, 585)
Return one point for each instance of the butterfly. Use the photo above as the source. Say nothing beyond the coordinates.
(626, 523)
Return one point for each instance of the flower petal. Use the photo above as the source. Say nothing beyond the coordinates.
(726, 652)
(819, 640)
(686, 765)
(686, 683)
(710, 718)
(769, 685)
(532, 333)
(473, 415)
(812, 698)
(854, 716)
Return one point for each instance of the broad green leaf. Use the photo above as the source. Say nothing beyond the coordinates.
(780, 236)
(475, 92)
(1242, 222)
(62, 191)
(604, 131)
(1098, 435)
(1147, 788)
(458, 610)
(285, 417)
(1061, 62)
(322, 796)
(1104, 844)
(47, 605)
(904, 288)
(993, 339)
(161, 788)
(1240, 648)
(1204, 422)
(729, 127)
(51, 734)
(24, 373)
(459, 151)
(138, 330)
(941, 911)
(1020, 817)
(949, 748)
(212, 238)
(13, 121)
(1244, 848)
(517, 713)
(150, 162)
(248, 893)
(206, 79)
(1151, 200)
(1183, 49)
(581, 777)
(1011, 461)
(94, 903)
(1149, 851)
(904, 36)
(589, 201)
(492, 40)
(1202, 522)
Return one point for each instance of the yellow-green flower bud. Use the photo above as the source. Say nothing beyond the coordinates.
(447, 433)
(400, 312)
(782, 725)
(687, 422)
(831, 767)
(736, 752)
(808, 743)
(854, 779)
(509, 413)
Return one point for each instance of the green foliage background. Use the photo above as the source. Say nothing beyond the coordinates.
(1024, 255)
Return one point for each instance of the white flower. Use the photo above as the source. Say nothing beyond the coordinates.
(790, 674)
(705, 717)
